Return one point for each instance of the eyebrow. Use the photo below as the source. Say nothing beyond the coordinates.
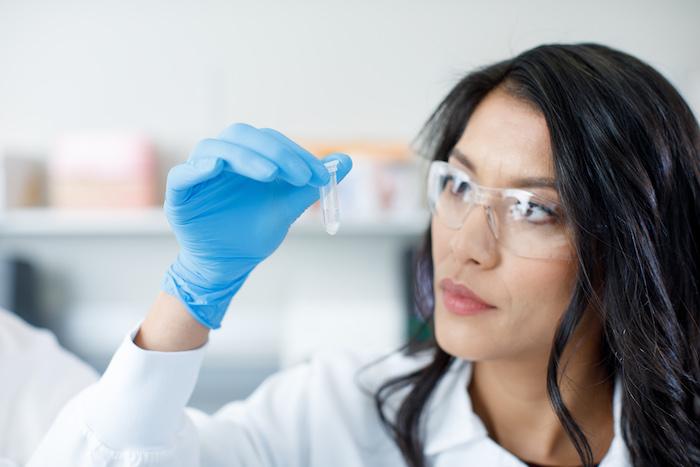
(529, 182)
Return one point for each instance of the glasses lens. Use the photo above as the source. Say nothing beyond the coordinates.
(533, 226)
(527, 225)
(449, 194)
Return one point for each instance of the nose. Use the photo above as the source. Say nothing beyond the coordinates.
(475, 240)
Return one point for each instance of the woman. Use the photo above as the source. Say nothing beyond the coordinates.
(560, 273)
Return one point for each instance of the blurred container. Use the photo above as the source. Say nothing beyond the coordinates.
(384, 184)
(21, 182)
(102, 170)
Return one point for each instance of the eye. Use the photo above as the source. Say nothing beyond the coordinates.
(456, 184)
(460, 187)
(534, 213)
(445, 181)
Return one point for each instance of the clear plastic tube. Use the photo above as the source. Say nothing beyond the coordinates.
(329, 199)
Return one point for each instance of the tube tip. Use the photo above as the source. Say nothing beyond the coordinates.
(332, 166)
(332, 228)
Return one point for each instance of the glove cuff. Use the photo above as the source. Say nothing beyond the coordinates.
(207, 306)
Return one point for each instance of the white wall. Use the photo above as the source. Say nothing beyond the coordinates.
(314, 69)
(183, 70)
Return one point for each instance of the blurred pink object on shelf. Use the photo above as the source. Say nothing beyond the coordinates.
(102, 170)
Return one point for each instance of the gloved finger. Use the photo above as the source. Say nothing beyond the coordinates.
(304, 197)
(320, 173)
(208, 159)
(293, 168)
(183, 177)
(239, 159)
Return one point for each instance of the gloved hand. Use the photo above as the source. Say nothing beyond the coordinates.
(230, 206)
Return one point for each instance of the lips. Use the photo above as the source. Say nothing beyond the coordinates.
(462, 301)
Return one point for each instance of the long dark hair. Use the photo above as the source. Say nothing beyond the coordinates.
(626, 151)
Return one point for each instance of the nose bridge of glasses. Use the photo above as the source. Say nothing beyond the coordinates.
(486, 199)
(489, 199)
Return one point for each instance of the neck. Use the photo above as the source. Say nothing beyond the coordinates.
(510, 396)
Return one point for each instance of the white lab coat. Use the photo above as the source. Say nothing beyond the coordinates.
(312, 415)
(37, 378)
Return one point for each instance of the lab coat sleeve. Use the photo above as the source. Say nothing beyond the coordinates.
(135, 416)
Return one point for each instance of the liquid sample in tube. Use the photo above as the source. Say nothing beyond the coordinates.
(329, 199)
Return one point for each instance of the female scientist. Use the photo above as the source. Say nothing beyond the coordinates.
(560, 271)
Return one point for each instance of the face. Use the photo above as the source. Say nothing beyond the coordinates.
(505, 140)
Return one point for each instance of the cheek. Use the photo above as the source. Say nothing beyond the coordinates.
(540, 292)
(440, 242)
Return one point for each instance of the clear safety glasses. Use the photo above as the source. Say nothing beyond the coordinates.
(524, 223)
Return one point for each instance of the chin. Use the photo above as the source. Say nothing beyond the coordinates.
(460, 345)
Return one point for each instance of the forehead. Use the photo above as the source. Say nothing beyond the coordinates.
(506, 139)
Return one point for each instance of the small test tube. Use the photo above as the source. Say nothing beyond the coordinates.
(329, 199)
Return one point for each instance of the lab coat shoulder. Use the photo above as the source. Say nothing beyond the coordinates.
(17, 336)
(305, 414)
(37, 359)
(38, 377)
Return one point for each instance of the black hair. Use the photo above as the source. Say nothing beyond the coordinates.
(626, 154)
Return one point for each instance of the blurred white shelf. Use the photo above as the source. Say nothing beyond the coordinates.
(405, 226)
(60, 222)
(43, 222)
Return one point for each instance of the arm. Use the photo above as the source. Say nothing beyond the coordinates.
(230, 206)
(168, 327)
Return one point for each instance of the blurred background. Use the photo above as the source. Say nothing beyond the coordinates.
(99, 99)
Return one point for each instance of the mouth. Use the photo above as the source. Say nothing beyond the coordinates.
(462, 301)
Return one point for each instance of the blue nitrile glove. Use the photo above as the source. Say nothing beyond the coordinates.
(230, 206)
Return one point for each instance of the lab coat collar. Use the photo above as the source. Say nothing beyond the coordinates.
(451, 421)
(450, 418)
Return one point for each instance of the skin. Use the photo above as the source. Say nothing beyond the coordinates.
(507, 139)
(509, 345)
(169, 327)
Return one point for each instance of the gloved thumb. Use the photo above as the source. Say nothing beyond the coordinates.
(301, 198)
